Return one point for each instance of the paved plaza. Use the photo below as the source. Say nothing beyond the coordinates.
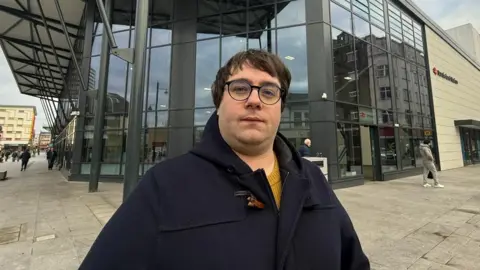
(49, 223)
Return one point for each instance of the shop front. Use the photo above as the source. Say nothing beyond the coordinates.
(470, 141)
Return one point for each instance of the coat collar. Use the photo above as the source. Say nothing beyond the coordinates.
(213, 148)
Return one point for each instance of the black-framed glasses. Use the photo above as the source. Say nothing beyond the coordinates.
(241, 90)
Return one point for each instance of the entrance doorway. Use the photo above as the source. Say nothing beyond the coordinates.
(371, 160)
(470, 146)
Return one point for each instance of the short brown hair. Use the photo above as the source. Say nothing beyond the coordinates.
(258, 59)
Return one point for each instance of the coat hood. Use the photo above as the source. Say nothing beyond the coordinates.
(215, 149)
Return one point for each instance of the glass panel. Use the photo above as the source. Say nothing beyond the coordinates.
(115, 103)
(360, 7)
(159, 79)
(347, 112)
(340, 18)
(259, 37)
(231, 46)
(202, 116)
(383, 87)
(161, 35)
(156, 142)
(418, 137)
(397, 46)
(198, 133)
(379, 37)
(344, 58)
(344, 3)
(407, 148)
(156, 119)
(113, 146)
(388, 149)
(290, 13)
(204, 77)
(294, 55)
(296, 113)
(349, 150)
(401, 84)
(365, 73)
(361, 28)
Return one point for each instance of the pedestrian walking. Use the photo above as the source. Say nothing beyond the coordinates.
(25, 157)
(243, 198)
(429, 165)
(51, 157)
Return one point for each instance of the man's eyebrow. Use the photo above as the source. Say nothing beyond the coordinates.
(261, 82)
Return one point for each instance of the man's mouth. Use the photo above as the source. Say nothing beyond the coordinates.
(252, 119)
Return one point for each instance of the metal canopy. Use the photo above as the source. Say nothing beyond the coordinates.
(39, 67)
(233, 21)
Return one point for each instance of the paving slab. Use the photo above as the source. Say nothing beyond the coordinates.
(401, 224)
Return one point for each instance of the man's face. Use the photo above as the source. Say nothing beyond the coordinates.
(249, 122)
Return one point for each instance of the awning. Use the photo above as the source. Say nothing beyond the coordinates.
(468, 123)
(38, 65)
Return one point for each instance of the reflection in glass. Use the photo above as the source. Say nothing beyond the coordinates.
(290, 13)
(376, 13)
(360, 7)
(122, 39)
(401, 83)
(202, 116)
(116, 87)
(366, 86)
(231, 46)
(383, 87)
(291, 49)
(407, 148)
(388, 149)
(197, 134)
(113, 146)
(296, 113)
(397, 46)
(155, 146)
(361, 28)
(159, 79)
(344, 59)
(347, 112)
(345, 3)
(96, 45)
(349, 150)
(340, 18)
(207, 65)
(155, 119)
(263, 40)
(378, 37)
(418, 137)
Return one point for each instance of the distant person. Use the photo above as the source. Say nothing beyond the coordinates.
(304, 150)
(25, 157)
(429, 165)
(51, 157)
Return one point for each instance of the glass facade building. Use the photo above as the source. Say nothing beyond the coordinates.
(366, 56)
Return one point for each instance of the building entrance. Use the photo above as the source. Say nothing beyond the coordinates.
(371, 160)
(470, 146)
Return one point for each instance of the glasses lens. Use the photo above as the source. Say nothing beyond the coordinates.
(269, 94)
(239, 90)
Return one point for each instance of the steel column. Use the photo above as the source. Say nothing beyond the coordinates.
(136, 100)
(97, 150)
(102, 10)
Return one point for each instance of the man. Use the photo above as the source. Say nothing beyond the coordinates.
(51, 157)
(428, 165)
(25, 157)
(304, 150)
(247, 199)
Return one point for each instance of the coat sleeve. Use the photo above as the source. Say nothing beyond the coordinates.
(128, 240)
(353, 257)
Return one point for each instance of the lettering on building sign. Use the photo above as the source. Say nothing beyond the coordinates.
(445, 76)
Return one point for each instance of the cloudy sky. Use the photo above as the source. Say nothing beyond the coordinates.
(447, 13)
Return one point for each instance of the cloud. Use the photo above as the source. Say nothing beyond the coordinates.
(451, 13)
(10, 94)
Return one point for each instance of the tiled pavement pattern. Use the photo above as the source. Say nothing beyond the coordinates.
(48, 223)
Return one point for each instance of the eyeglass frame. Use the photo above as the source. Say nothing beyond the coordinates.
(252, 87)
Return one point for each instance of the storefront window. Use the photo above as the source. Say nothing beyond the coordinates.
(388, 149)
(407, 148)
(349, 150)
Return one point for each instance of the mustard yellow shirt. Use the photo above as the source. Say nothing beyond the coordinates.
(275, 181)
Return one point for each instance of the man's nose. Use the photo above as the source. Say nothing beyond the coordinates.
(254, 99)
